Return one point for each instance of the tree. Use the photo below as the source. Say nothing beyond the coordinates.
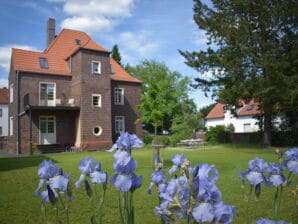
(116, 54)
(252, 53)
(164, 94)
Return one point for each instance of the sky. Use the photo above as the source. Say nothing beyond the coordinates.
(142, 29)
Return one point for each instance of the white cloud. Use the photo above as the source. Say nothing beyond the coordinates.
(140, 44)
(3, 83)
(5, 54)
(95, 15)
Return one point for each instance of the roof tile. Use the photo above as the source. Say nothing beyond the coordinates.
(63, 46)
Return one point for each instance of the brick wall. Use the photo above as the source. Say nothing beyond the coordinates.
(132, 93)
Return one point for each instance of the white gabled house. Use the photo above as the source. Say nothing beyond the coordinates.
(244, 122)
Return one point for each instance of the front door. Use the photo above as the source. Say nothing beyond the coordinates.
(47, 130)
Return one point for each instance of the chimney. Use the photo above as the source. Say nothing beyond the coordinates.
(50, 31)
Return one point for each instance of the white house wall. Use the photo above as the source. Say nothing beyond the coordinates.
(4, 119)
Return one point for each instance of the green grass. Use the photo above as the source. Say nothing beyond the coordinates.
(18, 181)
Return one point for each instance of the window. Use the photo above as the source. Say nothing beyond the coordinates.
(78, 42)
(11, 126)
(11, 93)
(96, 100)
(119, 124)
(97, 130)
(43, 63)
(96, 67)
(247, 127)
(0, 112)
(0, 131)
(47, 94)
(119, 96)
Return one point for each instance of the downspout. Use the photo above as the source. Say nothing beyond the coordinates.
(18, 151)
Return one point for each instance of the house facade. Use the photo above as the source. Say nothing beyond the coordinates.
(73, 93)
(4, 112)
(245, 121)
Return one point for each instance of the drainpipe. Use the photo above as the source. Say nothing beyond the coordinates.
(18, 151)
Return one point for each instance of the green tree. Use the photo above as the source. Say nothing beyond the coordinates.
(116, 54)
(206, 109)
(252, 53)
(164, 94)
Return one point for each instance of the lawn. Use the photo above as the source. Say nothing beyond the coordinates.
(18, 181)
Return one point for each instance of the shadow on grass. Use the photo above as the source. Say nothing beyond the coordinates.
(13, 163)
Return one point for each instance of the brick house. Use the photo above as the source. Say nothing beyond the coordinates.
(72, 93)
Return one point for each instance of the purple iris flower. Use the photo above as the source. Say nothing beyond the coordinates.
(208, 192)
(98, 177)
(122, 182)
(126, 142)
(157, 177)
(268, 221)
(90, 167)
(178, 160)
(276, 178)
(224, 213)
(292, 160)
(255, 172)
(47, 169)
(203, 212)
(59, 182)
(207, 172)
(124, 163)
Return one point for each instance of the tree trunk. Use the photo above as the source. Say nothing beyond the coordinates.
(267, 128)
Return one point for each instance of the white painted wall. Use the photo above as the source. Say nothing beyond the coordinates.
(4, 119)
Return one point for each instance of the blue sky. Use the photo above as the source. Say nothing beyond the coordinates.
(143, 29)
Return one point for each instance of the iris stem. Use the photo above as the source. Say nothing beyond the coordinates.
(248, 201)
(120, 206)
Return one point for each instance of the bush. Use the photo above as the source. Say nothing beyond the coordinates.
(148, 138)
(217, 134)
(285, 138)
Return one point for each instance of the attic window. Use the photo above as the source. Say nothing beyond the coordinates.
(78, 42)
(43, 63)
(250, 107)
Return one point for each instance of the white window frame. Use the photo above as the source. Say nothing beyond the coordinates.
(116, 96)
(99, 131)
(54, 94)
(98, 69)
(247, 127)
(10, 126)
(11, 93)
(99, 100)
(117, 120)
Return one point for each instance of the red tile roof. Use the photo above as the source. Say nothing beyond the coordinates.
(249, 109)
(120, 74)
(63, 46)
(216, 112)
(4, 98)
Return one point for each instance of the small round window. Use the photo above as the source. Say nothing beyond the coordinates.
(97, 130)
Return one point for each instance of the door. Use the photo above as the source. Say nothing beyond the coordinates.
(47, 130)
(47, 94)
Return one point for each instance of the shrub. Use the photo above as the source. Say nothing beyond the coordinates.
(217, 134)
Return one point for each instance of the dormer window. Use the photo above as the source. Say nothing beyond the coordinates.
(43, 63)
(78, 42)
(96, 67)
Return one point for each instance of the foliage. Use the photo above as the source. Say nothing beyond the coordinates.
(270, 175)
(164, 94)
(191, 194)
(184, 126)
(205, 110)
(252, 54)
(285, 138)
(217, 134)
(18, 178)
(116, 54)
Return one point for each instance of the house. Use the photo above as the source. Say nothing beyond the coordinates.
(245, 121)
(3, 112)
(71, 94)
